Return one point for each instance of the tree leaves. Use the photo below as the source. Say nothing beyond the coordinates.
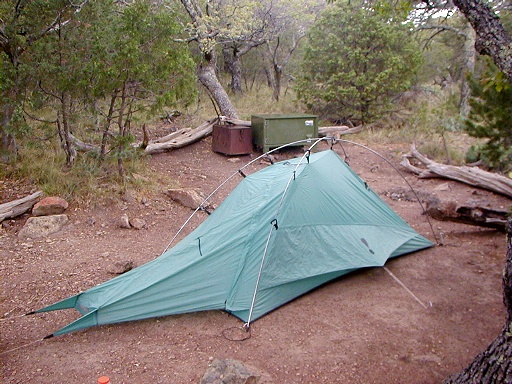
(362, 58)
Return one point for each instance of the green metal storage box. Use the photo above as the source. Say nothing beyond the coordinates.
(271, 131)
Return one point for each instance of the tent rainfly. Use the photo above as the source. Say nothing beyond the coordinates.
(283, 231)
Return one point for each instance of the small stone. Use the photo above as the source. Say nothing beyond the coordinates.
(124, 222)
(121, 267)
(187, 197)
(50, 206)
(138, 223)
(442, 187)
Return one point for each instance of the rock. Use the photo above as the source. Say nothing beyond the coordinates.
(138, 223)
(50, 206)
(228, 371)
(443, 187)
(42, 226)
(127, 197)
(124, 222)
(269, 159)
(187, 197)
(121, 267)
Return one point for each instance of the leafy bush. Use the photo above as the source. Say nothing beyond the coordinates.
(356, 62)
(491, 118)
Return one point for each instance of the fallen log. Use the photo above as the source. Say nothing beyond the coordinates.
(170, 137)
(245, 123)
(184, 138)
(175, 140)
(18, 207)
(339, 130)
(473, 176)
(467, 214)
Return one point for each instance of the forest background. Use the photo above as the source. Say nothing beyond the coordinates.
(82, 81)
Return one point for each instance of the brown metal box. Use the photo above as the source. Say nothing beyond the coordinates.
(232, 139)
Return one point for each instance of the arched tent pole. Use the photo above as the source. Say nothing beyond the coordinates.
(274, 226)
(238, 172)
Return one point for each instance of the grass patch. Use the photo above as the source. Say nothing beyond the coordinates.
(430, 121)
(88, 180)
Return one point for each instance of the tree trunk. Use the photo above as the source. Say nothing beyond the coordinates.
(232, 65)
(208, 78)
(337, 131)
(106, 127)
(9, 149)
(492, 38)
(206, 70)
(469, 62)
(274, 70)
(494, 365)
(278, 74)
(180, 139)
(64, 129)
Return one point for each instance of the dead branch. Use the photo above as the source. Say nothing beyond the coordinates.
(473, 176)
(82, 146)
(18, 207)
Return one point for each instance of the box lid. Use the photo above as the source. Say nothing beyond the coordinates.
(284, 116)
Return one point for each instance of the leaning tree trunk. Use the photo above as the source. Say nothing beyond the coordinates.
(494, 365)
(206, 70)
(492, 38)
(208, 78)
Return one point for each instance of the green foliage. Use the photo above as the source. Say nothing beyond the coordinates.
(356, 62)
(109, 47)
(491, 118)
(94, 73)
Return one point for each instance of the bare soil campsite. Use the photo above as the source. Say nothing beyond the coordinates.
(366, 327)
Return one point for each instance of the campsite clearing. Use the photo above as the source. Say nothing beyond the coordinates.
(362, 328)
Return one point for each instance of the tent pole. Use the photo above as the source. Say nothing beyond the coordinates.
(247, 325)
(273, 223)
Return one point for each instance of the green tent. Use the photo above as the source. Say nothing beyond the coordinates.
(283, 231)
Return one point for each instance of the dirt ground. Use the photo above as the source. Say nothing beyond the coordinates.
(363, 328)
